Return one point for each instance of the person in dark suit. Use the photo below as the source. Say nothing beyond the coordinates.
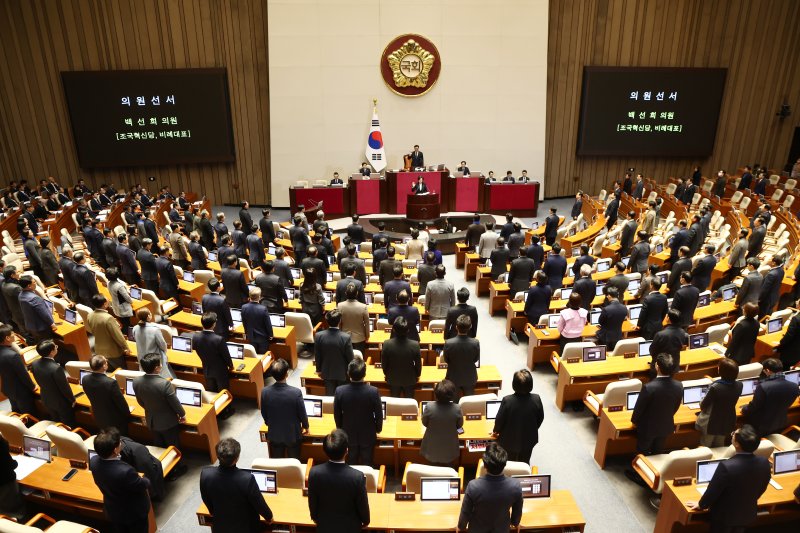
(337, 492)
(717, 417)
(272, 288)
(68, 266)
(417, 158)
(214, 303)
(585, 286)
(239, 240)
(683, 264)
(657, 404)
(151, 231)
(537, 302)
(640, 254)
(695, 236)
(771, 286)
(50, 266)
(298, 234)
(109, 407)
(356, 231)
(627, 234)
(394, 286)
(771, 400)
(419, 187)
(747, 179)
(474, 232)
(109, 248)
(788, 349)
(751, 284)
(333, 351)
(463, 169)
(536, 252)
(756, 240)
(213, 353)
(38, 318)
(364, 170)
(516, 242)
(612, 212)
(234, 283)
(127, 261)
(168, 280)
(461, 308)
(409, 312)
(220, 228)
(86, 280)
(519, 418)
(612, 316)
(701, 273)
(349, 277)
(266, 227)
(741, 347)
(761, 184)
(627, 183)
(638, 190)
(671, 340)
(197, 253)
(680, 239)
(520, 274)
(125, 493)
(232, 495)
(583, 259)
(147, 262)
(461, 353)
(720, 183)
(555, 268)
(163, 412)
(551, 227)
(619, 280)
(737, 484)
(56, 394)
(508, 227)
(284, 413)
(577, 207)
(357, 410)
(488, 499)
(257, 323)
(685, 299)
(499, 258)
(16, 383)
(653, 311)
(401, 360)
(245, 218)
(509, 177)
(336, 179)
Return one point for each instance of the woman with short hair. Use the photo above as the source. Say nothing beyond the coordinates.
(516, 426)
(442, 420)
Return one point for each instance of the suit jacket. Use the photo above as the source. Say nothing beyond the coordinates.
(681, 238)
(151, 230)
(16, 383)
(474, 232)
(556, 268)
(577, 208)
(282, 269)
(639, 190)
(168, 280)
(216, 303)
(518, 421)
(357, 410)
(756, 241)
(651, 317)
(685, 301)
(360, 273)
(657, 404)
(233, 499)
(487, 243)
(741, 347)
(257, 324)
(392, 289)
(760, 187)
(441, 421)
(551, 228)
(68, 267)
(385, 270)
(669, 340)
(355, 320)
(425, 274)
(620, 281)
(284, 413)
(751, 288)
(701, 273)
(486, 505)
(236, 292)
(161, 406)
(87, 284)
(734, 490)
(612, 317)
(461, 353)
(197, 255)
(125, 496)
(612, 211)
(110, 252)
(273, 293)
(147, 262)
(507, 230)
(695, 238)
(738, 255)
(356, 233)
(579, 262)
(499, 258)
(341, 289)
(11, 291)
(247, 221)
(56, 394)
(537, 302)
(267, 231)
(35, 312)
(299, 237)
(520, 274)
(681, 265)
(640, 254)
(453, 314)
(411, 314)
(789, 346)
(587, 288)
(745, 182)
(626, 237)
(401, 361)
(771, 400)
(440, 296)
(109, 407)
(417, 159)
(337, 498)
(213, 353)
(770, 288)
(720, 404)
(255, 248)
(108, 338)
(514, 243)
(333, 351)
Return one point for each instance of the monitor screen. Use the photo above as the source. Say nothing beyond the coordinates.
(188, 277)
(439, 489)
(706, 469)
(236, 351)
(774, 325)
(534, 486)
(129, 387)
(729, 293)
(635, 310)
(793, 376)
(278, 321)
(91, 454)
(271, 249)
(594, 317)
(749, 386)
(188, 396)
(786, 462)
(197, 308)
(422, 405)
(296, 274)
(371, 325)
(703, 300)
(328, 276)
(659, 248)
(552, 321)
(598, 290)
(182, 344)
(289, 293)
(70, 316)
(603, 266)
(383, 408)
(212, 256)
(267, 480)
(633, 286)
(565, 293)
(328, 295)
(694, 394)
(594, 353)
(492, 407)
(663, 276)
(576, 252)
(236, 315)
(644, 348)
(35, 447)
(420, 262)
(630, 400)
(625, 260)
(136, 293)
(83, 374)
(698, 340)
(368, 298)
(313, 407)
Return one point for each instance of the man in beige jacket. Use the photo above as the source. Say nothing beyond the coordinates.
(355, 318)
(108, 338)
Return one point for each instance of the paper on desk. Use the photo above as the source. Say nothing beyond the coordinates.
(26, 465)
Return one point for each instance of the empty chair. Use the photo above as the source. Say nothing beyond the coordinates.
(717, 333)
(652, 197)
(74, 369)
(69, 444)
(790, 185)
(302, 326)
(737, 197)
(765, 449)
(400, 406)
(415, 471)
(301, 183)
(788, 201)
(437, 325)
(162, 307)
(602, 195)
(13, 429)
(656, 469)
(573, 349)
(61, 526)
(784, 314)
(292, 474)
(378, 298)
(376, 478)
(671, 187)
(544, 319)
(774, 179)
(203, 276)
(745, 203)
(615, 394)
(783, 442)
(83, 312)
(776, 196)
(475, 403)
(707, 185)
(750, 370)
(513, 468)
(624, 346)
(366, 246)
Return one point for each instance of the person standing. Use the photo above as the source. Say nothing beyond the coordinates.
(333, 351)
(771, 286)
(655, 409)
(120, 299)
(213, 353)
(499, 258)
(284, 413)
(442, 419)
(703, 268)
(409, 312)
(462, 353)
(213, 302)
(612, 317)
(462, 308)
(717, 416)
(150, 339)
(474, 232)
(767, 412)
(519, 418)
(109, 407)
(586, 287)
(163, 412)
(56, 393)
(401, 361)
(168, 280)
(50, 268)
(14, 378)
(742, 345)
(555, 267)
(654, 309)
(257, 323)
(108, 337)
(640, 254)
(756, 240)
(737, 259)
(685, 299)
(751, 284)
(551, 227)
(521, 273)
(233, 281)
(487, 242)
(627, 234)
(571, 321)
(440, 295)
(357, 410)
(272, 288)
(38, 318)
(537, 302)
(577, 207)
(356, 231)
(355, 317)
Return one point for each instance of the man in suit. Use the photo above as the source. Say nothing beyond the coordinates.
(214, 303)
(168, 280)
(427, 271)
(125, 493)
(246, 219)
(376, 238)
(151, 231)
(640, 254)
(364, 170)
(461, 353)
(109, 248)
(127, 260)
(488, 499)
(147, 262)
(536, 252)
(509, 177)
(771, 400)
(463, 169)
(555, 267)
(680, 239)
(683, 264)
(386, 268)
(653, 311)
(638, 190)
(747, 179)
(516, 241)
(499, 258)
(695, 236)
(583, 259)
(612, 212)
(56, 394)
(312, 261)
(551, 227)
(108, 337)
(585, 286)
(14, 378)
(770, 287)
(355, 315)
(349, 277)
(756, 241)
(417, 158)
(256, 322)
(657, 404)
(789, 346)
(474, 232)
(419, 187)
(220, 228)
(737, 257)
(333, 351)
(356, 231)
(577, 207)
(206, 231)
(284, 413)
(11, 290)
(359, 270)
(508, 227)
(672, 339)
(613, 315)
(163, 412)
(271, 288)
(440, 295)
(357, 410)
(36, 314)
(618, 280)
(213, 353)
(401, 361)
(281, 268)
(108, 405)
(760, 186)
(67, 266)
(627, 234)
(521, 273)
(86, 280)
(487, 241)
(703, 268)
(461, 308)
(408, 312)
(337, 492)
(239, 240)
(298, 234)
(234, 283)
(266, 227)
(395, 286)
(255, 248)
(685, 299)
(177, 244)
(737, 484)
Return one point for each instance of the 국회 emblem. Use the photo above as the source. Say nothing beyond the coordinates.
(410, 65)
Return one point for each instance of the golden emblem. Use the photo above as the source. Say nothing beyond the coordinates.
(411, 65)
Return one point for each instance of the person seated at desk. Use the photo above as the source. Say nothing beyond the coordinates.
(524, 177)
(442, 419)
(737, 484)
(509, 177)
(419, 187)
(337, 492)
(336, 179)
(401, 360)
(284, 414)
(767, 412)
(490, 177)
(365, 170)
(655, 409)
(488, 498)
(463, 168)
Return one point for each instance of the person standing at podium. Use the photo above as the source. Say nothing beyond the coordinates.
(364, 170)
(417, 158)
(419, 187)
(463, 168)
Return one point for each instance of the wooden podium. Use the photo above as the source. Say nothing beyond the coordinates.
(422, 206)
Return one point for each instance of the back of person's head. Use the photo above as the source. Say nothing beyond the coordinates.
(728, 369)
(444, 391)
(97, 362)
(684, 251)
(350, 292)
(463, 324)
(414, 233)
(106, 442)
(540, 277)
(655, 284)
(397, 271)
(430, 257)
(403, 297)
(772, 364)
(25, 281)
(750, 310)
(574, 301)
(98, 301)
(335, 444)
(495, 459)
(440, 271)
(674, 317)
(612, 292)
(747, 438)
(279, 369)
(112, 274)
(333, 317)
(213, 284)
(356, 369)
(710, 249)
(232, 260)
(686, 276)
(556, 249)
(45, 348)
(522, 381)
(534, 239)
(400, 327)
(665, 364)
(620, 266)
(584, 249)
(462, 295)
(489, 226)
(643, 236)
(683, 223)
(652, 269)
(381, 226)
(754, 262)
(150, 362)
(501, 242)
(586, 270)
(208, 320)
(351, 249)
(228, 451)
(390, 251)
(349, 269)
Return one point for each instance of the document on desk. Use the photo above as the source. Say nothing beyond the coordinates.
(26, 465)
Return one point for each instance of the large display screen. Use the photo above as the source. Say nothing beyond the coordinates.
(648, 111)
(149, 117)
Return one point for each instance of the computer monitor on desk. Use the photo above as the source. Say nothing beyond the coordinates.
(440, 489)
(705, 470)
(492, 407)
(313, 407)
(698, 340)
(534, 486)
(267, 480)
(36, 448)
(594, 353)
(786, 462)
(630, 400)
(774, 325)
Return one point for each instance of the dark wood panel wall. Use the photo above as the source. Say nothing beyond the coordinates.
(756, 40)
(41, 38)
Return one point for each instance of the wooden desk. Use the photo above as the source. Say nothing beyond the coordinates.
(461, 252)
(75, 337)
(766, 342)
(482, 280)
(774, 507)
(195, 290)
(290, 508)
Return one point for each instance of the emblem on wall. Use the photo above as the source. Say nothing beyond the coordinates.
(410, 65)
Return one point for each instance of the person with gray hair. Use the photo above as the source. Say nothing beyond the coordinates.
(256, 322)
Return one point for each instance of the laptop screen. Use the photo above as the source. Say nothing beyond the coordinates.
(698, 340)
(703, 300)
(625, 260)
(188, 396)
(659, 248)
(706, 469)
(82, 375)
(70, 316)
(271, 249)
(565, 293)
(786, 462)
(35, 447)
(328, 276)
(197, 308)
(793, 376)
(182, 344)
(663, 276)
(594, 317)
(729, 293)
(439, 489)
(267, 480)
(749, 386)
(534, 486)
(598, 290)
(188, 277)
(328, 295)
(289, 293)
(630, 400)
(236, 315)
(594, 353)
(603, 266)
(212, 256)
(278, 321)
(295, 273)
(644, 348)
(136, 293)
(694, 394)
(552, 321)
(313, 407)
(633, 285)
(422, 405)
(368, 298)
(492, 407)
(635, 310)
(129, 387)
(774, 325)
(236, 351)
